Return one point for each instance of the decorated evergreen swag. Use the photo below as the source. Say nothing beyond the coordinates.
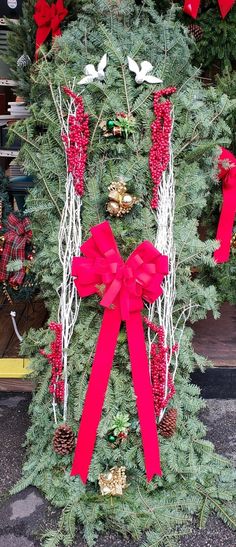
(119, 262)
(17, 251)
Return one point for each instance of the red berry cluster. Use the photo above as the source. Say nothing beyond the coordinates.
(161, 129)
(56, 386)
(121, 115)
(76, 143)
(158, 369)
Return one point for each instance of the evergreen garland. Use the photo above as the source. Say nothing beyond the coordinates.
(195, 479)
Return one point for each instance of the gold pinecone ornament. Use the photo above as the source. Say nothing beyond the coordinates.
(167, 427)
(113, 483)
(63, 440)
(233, 241)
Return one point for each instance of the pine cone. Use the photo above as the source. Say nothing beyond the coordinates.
(167, 427)
(196, 32)
(23, 61)
(63, 440)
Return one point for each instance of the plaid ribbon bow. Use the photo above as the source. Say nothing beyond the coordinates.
(18, 234)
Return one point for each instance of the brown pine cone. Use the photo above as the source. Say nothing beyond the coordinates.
(167, 427)
(196, 31)
(63, 440)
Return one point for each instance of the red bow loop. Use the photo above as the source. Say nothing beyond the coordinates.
(124, 285)
(132, 281)
(48, 19)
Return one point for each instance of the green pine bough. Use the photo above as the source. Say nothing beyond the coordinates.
(195, 480)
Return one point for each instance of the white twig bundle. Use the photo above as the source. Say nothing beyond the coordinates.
(163, 308)
(69, 243)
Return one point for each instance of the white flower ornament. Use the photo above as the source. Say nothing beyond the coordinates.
(142, 75)
(92, 74)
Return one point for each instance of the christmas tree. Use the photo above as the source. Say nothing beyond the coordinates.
(120, 108)
(21, 44)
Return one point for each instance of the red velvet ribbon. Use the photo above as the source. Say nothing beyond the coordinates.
(17, 236)
(125, 285)
(227, 173)
(191, 7)
(48, 19)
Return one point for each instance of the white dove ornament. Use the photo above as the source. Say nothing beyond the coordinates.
(92, 74)
(142, 75)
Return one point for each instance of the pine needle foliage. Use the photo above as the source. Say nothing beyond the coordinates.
(195, 479)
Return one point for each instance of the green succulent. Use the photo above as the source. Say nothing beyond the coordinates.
(120, 423)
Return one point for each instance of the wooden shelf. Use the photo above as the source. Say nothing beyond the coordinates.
(10, 117)
(3, 22)
(8, 153)
(5, 82)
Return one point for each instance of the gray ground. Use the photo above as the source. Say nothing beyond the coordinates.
(24, 517)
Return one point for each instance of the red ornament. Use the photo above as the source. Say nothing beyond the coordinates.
(56, 386)
(159, 155)
(48, 19)
(159, 352)
(76, 143)
(191, 7)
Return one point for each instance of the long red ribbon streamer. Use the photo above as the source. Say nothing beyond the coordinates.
(48, 19)
(126, 284)
(227, 173)
(191, 7)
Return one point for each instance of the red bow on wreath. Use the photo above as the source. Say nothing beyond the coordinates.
(191, 7)
(227, 174)
(15, 240)
(123, 286)
(48, 19)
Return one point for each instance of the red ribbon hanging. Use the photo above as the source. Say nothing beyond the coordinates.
(16, 238)
(191, 7)
(48, 19)
(125, 286)
(227, 173)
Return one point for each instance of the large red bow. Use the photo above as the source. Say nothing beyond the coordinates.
(48, 19)
(124, 286)
(227, 173)
(16, 238)
(191, 7)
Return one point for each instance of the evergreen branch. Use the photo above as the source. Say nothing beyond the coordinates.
(213, 455)
(45, 183)
(96, 126)
(22, 137)
(143, 101)
(126, 91)
(217, 505)
(202, 513)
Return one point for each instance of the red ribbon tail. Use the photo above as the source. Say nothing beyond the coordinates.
(144, 394)
(225, 6)
(191, 7)
(96, 392)
(41, 35)
(225, 226)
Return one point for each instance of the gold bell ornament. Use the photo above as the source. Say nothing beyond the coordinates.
(113, 483)
(120, 202)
